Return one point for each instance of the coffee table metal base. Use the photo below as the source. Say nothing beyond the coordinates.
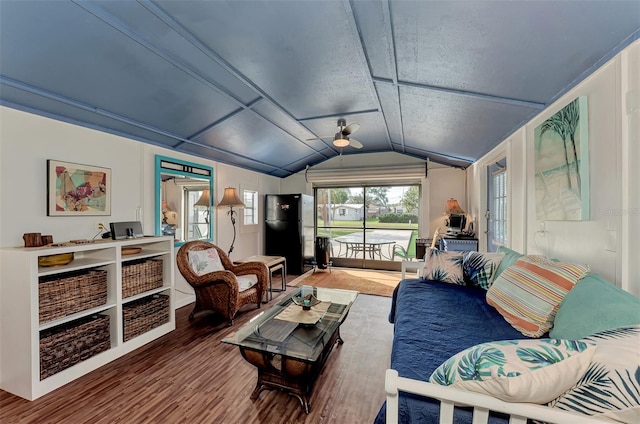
(293, 376)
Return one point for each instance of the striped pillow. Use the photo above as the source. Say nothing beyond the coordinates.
(528, 293)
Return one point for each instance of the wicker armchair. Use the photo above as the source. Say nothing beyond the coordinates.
(218, 290)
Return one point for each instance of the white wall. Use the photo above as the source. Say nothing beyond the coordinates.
(27, 141)
(606, 241)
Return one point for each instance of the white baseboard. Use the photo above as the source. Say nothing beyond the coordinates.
(183, 299)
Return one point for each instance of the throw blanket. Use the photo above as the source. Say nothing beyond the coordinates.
(434, 321)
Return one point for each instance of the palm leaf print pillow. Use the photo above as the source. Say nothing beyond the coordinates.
(533, 371)
(479, 269)
(610, 388)
(445, 266)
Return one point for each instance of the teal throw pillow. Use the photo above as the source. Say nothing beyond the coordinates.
(594, 305)
(534, 371)
(510, 258)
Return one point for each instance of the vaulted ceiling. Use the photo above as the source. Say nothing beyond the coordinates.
(249, 83)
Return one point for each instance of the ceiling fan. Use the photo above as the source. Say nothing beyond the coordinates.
(341, 138)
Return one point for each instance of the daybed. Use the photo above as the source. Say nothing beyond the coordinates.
(435, 320)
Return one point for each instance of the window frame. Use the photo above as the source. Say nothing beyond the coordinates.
(499, 202)
(253, 227)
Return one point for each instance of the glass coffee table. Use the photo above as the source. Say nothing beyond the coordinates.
(290, 354)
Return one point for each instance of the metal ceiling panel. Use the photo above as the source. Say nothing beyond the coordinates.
(62, 48)
(294, 128)
(230, 158)
(524, 50)
(389, 96)
(301, 53)
(148, 22)
(248, 135)
(14, 97)
(374, 23)
(456, 125)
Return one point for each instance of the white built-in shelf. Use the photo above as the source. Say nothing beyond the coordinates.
(20, 328)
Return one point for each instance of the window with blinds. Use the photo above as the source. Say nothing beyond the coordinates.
(499, 207)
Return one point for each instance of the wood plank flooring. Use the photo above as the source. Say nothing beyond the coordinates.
(189, 376)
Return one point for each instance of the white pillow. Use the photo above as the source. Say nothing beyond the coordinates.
(610, 388)
(205, 261)
(246, 281)
(445, 266)
(534, 371)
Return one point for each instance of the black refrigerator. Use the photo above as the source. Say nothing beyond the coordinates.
(289, 229)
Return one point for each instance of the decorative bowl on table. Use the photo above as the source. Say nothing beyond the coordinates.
(305, 301)
(55, 260)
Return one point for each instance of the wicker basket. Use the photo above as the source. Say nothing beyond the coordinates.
(71, 343)
(145, 314)
(66, 294)
(141, 276)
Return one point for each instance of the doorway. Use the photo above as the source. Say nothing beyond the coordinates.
(372, 227)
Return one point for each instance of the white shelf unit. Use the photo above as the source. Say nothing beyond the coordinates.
(20, 325)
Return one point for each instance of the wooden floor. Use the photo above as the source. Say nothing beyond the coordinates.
(189, 376)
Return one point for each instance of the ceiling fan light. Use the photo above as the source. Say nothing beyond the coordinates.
(340, 140)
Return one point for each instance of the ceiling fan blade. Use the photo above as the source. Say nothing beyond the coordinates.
(351, 128)
(319, 138)
(355, 143)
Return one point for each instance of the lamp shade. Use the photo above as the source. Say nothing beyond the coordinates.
(340, 140)
(452, 207)
(204, 200)
(230, 198)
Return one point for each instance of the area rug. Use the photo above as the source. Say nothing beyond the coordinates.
(379, 283)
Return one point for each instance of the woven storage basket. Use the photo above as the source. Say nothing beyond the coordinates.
(141, 276)
(71, 343)
(145, 314)
(66, 294)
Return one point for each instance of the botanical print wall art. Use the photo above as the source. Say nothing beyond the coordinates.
(561, 154)
(74, 189)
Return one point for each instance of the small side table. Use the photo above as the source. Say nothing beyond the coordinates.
(274, 263)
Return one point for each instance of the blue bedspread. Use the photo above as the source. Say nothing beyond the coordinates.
(434, 321)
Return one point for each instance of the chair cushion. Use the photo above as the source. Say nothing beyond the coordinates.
(535, 371)
(528, 293)
(443, 266)
(205, 261)
(246, 281)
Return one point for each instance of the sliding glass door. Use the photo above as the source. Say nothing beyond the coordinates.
(370, 226)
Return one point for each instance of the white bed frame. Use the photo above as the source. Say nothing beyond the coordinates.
(482, 404)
